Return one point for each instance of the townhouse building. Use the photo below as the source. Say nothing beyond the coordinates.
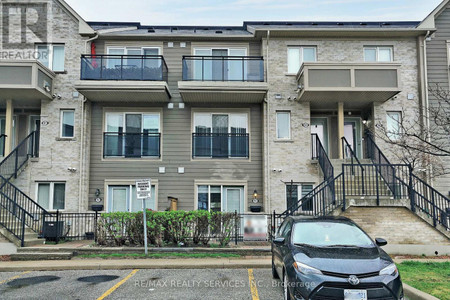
(263, 117)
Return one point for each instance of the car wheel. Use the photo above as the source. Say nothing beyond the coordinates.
(274, 271)
(285, 287)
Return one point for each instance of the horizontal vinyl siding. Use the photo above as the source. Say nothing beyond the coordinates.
(438, 74)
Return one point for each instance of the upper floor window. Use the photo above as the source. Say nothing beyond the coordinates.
(298, 55)
(51, 56)
(217, 64)
(132, 135)
(220, 135)
(133, 62)
(393, 126)
(67, 123)
(283, 125)
(378, 54)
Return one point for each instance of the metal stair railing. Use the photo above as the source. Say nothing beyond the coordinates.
(318, 152)
(13, 217)
(348, 151)
(14, 161)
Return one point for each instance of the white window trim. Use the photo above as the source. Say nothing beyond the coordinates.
(132, 113)
(222, 190)
(289, 127)
(301, 56)
(377, 50)
(221, 113)
(50, 55)
(61, 123)
(126, 48)
(394, 136)
(50, 192)
(130, 185)
(299, 189)
(210, 49)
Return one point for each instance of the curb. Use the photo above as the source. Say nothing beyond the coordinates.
(415, 294)
(126, 264)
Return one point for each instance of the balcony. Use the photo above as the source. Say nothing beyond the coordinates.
(131, 145)
(220, 145)
(25, 81)
(356, 84)
(134, 78)
(223, 79)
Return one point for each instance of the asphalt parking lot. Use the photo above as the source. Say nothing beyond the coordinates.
(141, 284)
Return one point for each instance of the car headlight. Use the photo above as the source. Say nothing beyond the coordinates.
(305, 269)
(389, 270)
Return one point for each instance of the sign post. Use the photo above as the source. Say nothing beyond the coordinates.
(144, 192)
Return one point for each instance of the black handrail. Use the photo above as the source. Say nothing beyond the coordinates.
(144, 144)
(95, 67)
(220, 145)
(318, 152)
(217, 68)
(346, 146)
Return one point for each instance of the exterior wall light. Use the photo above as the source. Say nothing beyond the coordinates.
(255, 196)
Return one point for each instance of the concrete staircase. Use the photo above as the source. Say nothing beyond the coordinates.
(31, 237)
(398, 225)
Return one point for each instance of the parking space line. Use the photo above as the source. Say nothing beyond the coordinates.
(253, 288)
(14, 277)
(109, 292)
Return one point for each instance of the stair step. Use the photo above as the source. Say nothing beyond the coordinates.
(42, 256)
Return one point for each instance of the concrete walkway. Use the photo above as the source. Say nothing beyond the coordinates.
(125, 264)
(6, 247)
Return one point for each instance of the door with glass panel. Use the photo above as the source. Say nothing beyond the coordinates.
(352, 133)
(219, 64)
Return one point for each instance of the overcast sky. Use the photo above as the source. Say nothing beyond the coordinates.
(234, 12)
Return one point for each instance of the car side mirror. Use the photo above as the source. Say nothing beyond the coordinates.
(279, 241)
(381, 242)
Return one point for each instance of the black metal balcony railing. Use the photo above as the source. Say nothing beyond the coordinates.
(220, 145)
(223, 68)
(119, 144)
(123, 67)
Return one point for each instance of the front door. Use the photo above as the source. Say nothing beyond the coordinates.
(35, 125)
(319, 127)
(352, 133)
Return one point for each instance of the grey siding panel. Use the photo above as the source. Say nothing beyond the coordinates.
(438, 73)
(176, 146)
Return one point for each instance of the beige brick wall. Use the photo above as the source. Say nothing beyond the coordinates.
(293, 157)
(57, 155)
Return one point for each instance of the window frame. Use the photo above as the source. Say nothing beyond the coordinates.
(129, 186)
(223, 186)
(394, 136)
(299, 186)
(51, 193)
(377, 53)
(61, 118)
(289, 126)
(50, 47)
(301, 56)
(126, 48)
(124, 113)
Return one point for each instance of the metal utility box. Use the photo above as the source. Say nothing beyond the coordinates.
(53, 229)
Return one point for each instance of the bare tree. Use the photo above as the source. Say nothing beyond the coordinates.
(424, 139)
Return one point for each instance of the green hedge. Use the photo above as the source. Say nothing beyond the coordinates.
(165, 228)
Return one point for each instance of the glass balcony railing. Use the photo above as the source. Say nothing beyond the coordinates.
(223, 68)
(120, 144)
(220, 145)
(123, 67)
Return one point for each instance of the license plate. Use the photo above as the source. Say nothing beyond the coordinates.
(355, 295)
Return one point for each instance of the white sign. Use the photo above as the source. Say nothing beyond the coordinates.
(255, 228)
(143, 189)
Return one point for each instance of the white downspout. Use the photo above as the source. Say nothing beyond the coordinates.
(427, 104)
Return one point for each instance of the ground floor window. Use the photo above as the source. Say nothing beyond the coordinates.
(297, 191)
(51, 195)
(220, 198)
(123, 198)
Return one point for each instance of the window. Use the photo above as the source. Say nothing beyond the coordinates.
(132, 135)
(220, 198)
(283, 125)
(214, 68)
(297, 191)
(51, 56)
(220, 135)
(298, 55)
(378, 54)
(51, 195)
(393, 127)
(123, 198)
(133, 62)
(67, 123)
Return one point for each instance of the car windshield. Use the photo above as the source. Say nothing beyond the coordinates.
(330, 234)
